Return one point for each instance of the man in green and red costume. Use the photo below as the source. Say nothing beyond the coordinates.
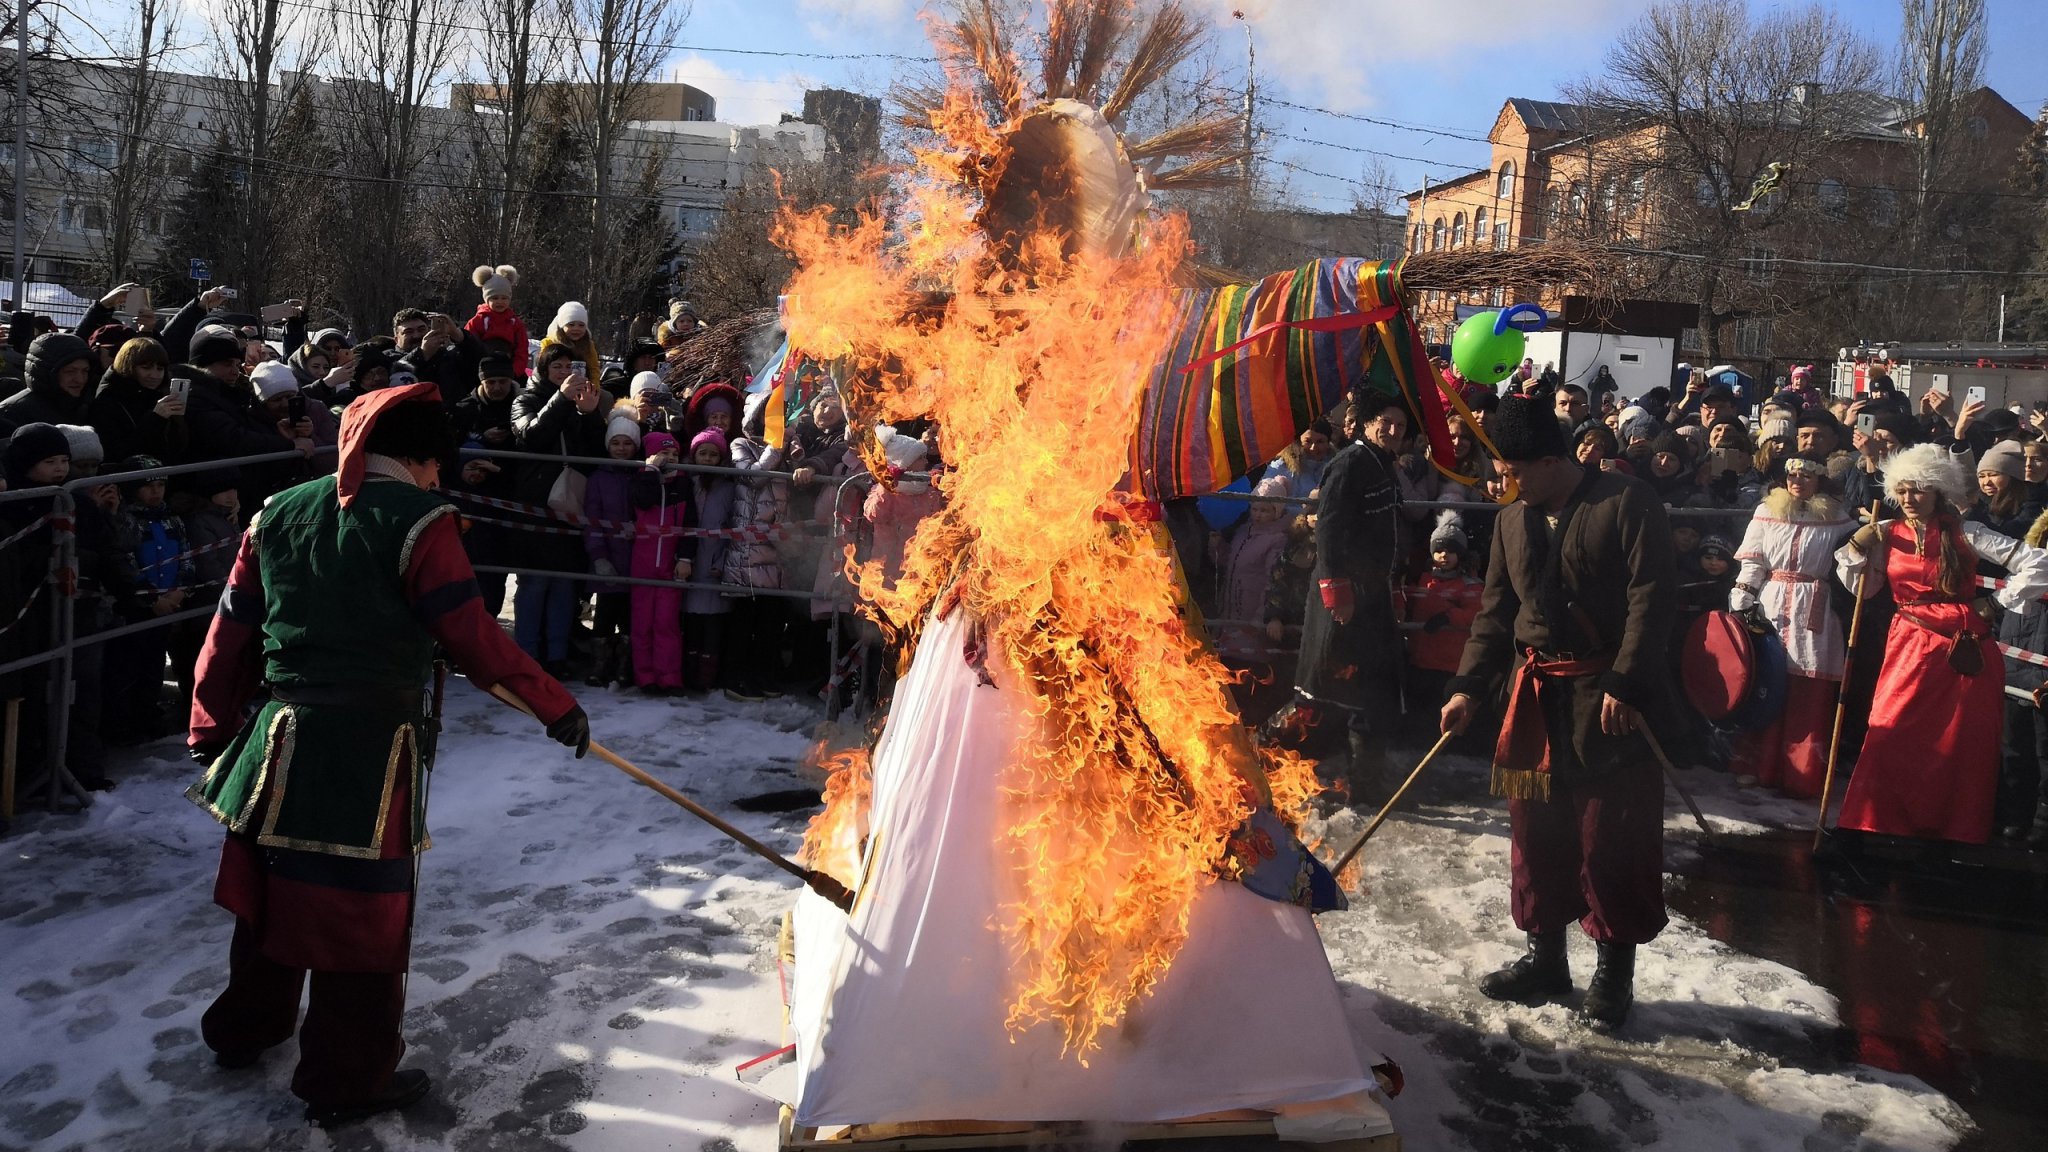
(341, 591)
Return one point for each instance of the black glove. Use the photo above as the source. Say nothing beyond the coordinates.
(1437, 623)
(572, 731)
(205, 754)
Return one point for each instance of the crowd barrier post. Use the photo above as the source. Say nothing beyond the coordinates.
(837, 555)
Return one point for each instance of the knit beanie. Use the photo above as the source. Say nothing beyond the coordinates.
(138, 464)
(495, 281)
(1271, 486)
(111, 335)
(84, 447)
(647, 382)
(31, 445)
(1718, 544)
(494, 367)
(326, 334)
(715, 437)
(571, 313)
(1524, 429)
(655, 443)
(2004, 456)
(622, 424)
(215, 347)
(273, 378)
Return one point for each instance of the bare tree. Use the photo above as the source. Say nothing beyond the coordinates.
(258, 46)
(1700, 106)
(520, 52)
(1941, 61)
(621, 45)
(121, 163)
(402, 50)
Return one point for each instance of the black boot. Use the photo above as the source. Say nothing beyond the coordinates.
(407, 1086)
(1542, 973)
(2037, 838)
(1612, 991)
(1371, 780)
(604, 662)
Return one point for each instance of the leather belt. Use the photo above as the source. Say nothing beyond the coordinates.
(382, 696)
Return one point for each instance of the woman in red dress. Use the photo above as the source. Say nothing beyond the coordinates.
(1929, 766)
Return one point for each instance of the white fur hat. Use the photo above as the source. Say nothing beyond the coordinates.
(647, 382)
(1929, 467)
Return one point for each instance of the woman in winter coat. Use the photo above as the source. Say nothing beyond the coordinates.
(133, 412)
(2006, 507)
(1781, 585)
(704, 610)
(661, 504)
(59, 371)
(570, 329)
(1246, 562)
(561, 413)
(607, 504)
(751, 652)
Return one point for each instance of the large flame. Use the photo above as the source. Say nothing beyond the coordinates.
(1032, 360)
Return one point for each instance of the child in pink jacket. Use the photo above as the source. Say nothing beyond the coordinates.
(661, 503)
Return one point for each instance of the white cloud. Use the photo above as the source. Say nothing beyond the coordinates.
(744, 96)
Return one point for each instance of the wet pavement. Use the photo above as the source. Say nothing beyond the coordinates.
(1939, 960)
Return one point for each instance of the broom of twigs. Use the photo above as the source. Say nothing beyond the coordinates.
(723, 351)
(1521, 271)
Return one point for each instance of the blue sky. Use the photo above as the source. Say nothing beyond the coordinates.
(1437, 63)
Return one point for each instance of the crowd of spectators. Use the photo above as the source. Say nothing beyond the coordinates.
(655, 570)
(647, 575)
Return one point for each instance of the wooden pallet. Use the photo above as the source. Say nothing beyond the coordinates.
(1222, 1134)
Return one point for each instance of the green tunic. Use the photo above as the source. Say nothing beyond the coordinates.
(340, 635)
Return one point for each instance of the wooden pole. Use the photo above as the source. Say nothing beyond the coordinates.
(1827, 785)
(1671, 774)
(1388, 807)
(9, 742)
(819, 882)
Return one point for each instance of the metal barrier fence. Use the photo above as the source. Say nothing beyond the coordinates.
(60, 582)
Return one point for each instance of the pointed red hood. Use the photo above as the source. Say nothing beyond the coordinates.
(359, 418)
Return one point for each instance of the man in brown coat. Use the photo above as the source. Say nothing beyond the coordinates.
(1573, 626)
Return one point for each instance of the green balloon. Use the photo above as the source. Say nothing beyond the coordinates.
(1481, 356)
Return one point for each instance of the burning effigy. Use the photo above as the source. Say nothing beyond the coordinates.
(1078, 892)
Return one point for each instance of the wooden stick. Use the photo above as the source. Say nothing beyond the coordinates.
(819, 882)
(11, 738)
(1373, 827)
(1827, 785)
(1671, 774)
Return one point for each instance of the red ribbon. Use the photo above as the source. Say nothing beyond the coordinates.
(1343, 322)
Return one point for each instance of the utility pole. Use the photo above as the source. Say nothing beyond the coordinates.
(1251, 97)
(20, 153)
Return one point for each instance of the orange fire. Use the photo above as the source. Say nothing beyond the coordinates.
(1032, 357)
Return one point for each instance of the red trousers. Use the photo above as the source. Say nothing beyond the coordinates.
(349, 1044)
(1594, 853)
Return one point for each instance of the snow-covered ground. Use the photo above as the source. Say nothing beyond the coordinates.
(591, 965)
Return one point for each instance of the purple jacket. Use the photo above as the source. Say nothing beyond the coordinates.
(606, 497)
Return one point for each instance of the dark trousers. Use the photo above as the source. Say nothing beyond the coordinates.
(750, 647)
(2023, 772)
(1594, 853)
(349, 1044)
(612, 615)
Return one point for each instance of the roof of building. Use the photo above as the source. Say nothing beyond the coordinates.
(1549, 115)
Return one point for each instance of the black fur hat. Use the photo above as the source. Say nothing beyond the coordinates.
(1526, 429)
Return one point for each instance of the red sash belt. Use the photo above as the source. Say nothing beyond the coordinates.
(1521, 758)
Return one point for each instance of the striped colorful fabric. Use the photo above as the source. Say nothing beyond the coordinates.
(1199, 430)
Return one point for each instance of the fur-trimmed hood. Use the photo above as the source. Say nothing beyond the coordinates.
(1821, 508)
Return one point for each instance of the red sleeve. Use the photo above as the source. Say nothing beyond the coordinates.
(230, 669)
(1465, 604)
(442, 589)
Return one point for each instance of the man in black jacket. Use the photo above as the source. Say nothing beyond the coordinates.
(1350, 643)
(222, 422)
